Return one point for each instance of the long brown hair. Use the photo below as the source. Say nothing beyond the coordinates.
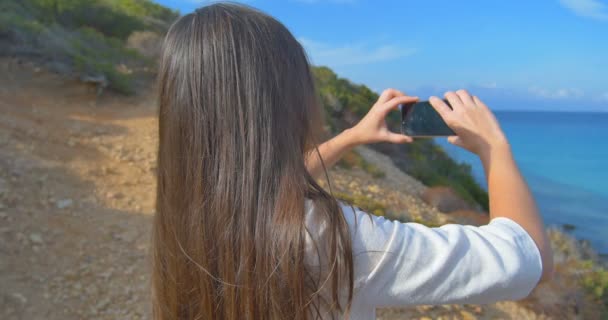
(238, 116)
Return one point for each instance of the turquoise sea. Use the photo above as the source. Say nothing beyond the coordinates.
(564, 158)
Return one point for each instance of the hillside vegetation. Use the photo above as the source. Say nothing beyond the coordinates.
(88, 38)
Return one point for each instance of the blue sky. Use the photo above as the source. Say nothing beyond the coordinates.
(533, 55)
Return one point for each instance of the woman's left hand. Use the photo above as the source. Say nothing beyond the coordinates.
(372, 128)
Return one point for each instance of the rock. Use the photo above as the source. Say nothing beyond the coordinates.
(477, 310)
(114, 195)
(21, 238)
(19, 297)
(373, 188)
(3, 215)
(467, 315)
(64, 203)
(36, 238)
(127, 236)
(102, 304)
(470, 217)
(568, 227)
(444, 199)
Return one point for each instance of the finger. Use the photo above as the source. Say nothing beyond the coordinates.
(398, 138)
(388, 94)
(465, 97)
(440, 106)
(395, 102)
(454, 100)
(478, 102)
(455, 140)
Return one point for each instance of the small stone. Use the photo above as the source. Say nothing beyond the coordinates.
(102, 304)
(118, 195)
(91, 289)
(21, 298)
(64, 203)
(373, 188)
(467, 315)
(3, 215)
(36, 238)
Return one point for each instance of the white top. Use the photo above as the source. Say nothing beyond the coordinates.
(403, 264)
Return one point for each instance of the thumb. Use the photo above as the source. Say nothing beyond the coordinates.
(398, 138)
(455, 140)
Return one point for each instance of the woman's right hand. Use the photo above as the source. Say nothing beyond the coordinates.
(475, 125)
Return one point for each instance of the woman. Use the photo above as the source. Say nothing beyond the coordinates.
(243, 231)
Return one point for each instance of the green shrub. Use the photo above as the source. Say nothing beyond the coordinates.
(430, 224)
(113, 18)
(98, 54)
(87, 35)
(366, 203)
(595, 280)
(352, 159)
(430, 164)
(11, 20)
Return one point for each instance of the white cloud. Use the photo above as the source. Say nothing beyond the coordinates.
(587, 8)
(352, 54)
(489, 85)
(564, 93)
(319, 1)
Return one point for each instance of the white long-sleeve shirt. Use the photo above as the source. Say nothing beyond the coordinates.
(404, 264)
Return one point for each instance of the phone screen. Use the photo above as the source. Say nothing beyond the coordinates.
(421, 120)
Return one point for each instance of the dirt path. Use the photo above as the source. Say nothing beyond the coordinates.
(76, 198)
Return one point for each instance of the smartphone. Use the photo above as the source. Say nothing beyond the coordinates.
(421, 120)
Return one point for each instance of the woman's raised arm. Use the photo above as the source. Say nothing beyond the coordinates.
(372, 128)
(479, 132)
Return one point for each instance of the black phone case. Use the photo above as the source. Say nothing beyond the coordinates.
(421, 120)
